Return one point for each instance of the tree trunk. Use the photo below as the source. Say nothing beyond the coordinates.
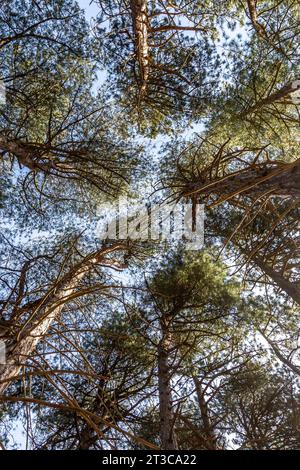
(24, 154)
(105, 406)
(278, 179)
(140, 29)
(254, 19)
(290, 288)
(280, 356)
(167, 433)
(210, 437)
(49, 309)
(277, 96)
(88, 437)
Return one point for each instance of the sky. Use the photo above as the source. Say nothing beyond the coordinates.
(91, 9)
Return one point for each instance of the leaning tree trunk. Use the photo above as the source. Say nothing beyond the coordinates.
(25, 154)
(271, 36)
(276, 179)
(167, 432)
(278, 96)
(35, 157)
(49, 309)
(285, 360)
(287, 286)
(290, 288)
(254, 18)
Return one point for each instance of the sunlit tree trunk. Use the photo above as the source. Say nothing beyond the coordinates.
(23, 153)
(140, 28)
(282, 180)
(48, 310)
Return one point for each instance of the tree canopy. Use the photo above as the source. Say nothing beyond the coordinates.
(138, 342)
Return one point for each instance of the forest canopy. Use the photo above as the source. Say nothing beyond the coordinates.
(148, 342)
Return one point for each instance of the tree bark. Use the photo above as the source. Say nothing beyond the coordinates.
(49, 309)
(24, 154)
(140, 29)
(254, 19)
(277, 179)
(290, 288)
(277, 96)
(167, 432)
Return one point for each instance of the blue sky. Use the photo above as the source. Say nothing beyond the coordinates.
(91, 8)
